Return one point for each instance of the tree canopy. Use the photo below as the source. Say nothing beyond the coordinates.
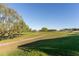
(44, 29)
(10, 21)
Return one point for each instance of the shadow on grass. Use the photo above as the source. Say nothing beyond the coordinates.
(10, 36)
(65, 46)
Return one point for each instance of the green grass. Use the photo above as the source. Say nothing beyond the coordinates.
(65, 46)
(42, 46)
(34, 34)
(25, 35)
(58, 46)
(28, 52)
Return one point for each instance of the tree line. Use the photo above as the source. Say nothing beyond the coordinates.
(45, 29)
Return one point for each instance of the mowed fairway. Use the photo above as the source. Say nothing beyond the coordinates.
(39, 43)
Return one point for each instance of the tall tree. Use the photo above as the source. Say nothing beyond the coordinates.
(11, 22)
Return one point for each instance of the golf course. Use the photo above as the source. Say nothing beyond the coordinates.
(40, 29)
(41, 44)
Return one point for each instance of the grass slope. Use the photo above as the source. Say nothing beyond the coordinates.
(59, 46)
(51, 44)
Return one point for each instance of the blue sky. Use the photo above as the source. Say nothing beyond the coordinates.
(56, 16)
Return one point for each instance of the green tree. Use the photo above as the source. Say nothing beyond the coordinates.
(44, 29)
(11, 22)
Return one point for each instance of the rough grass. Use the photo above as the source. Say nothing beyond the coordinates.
(28, 52)
(5, 50)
